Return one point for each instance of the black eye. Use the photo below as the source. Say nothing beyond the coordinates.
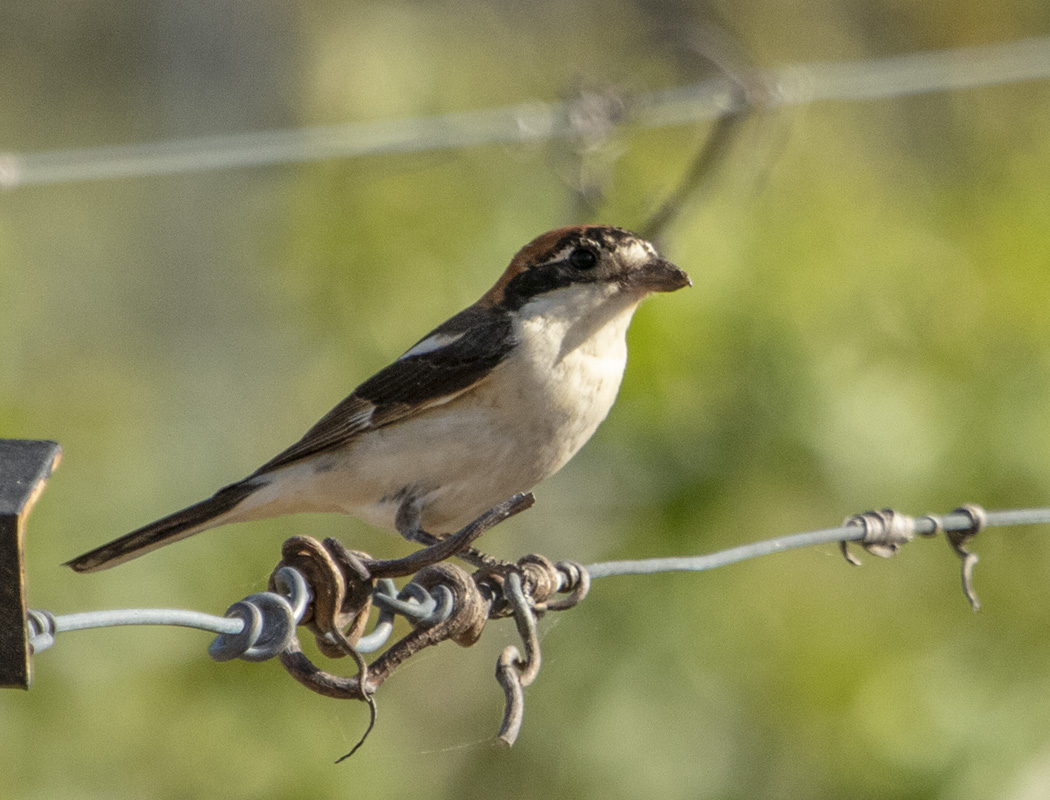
(583, 258)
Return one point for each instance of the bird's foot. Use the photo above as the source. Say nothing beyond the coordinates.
(458, 544)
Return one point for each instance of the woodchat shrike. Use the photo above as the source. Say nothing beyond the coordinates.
(486, 405)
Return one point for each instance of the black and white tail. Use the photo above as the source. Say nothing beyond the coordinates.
(194, 519)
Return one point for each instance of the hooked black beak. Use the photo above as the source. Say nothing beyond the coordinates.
(657, 275)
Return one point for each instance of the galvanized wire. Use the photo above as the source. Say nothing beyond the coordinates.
(425, 608)
(867, 79)
(255, 628)
(926, 525)
(44, 626)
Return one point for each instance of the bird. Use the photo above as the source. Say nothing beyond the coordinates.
(487, 405)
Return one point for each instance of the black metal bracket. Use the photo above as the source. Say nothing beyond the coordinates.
(24, 469)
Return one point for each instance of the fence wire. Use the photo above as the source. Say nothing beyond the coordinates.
(444, 602)
(521, 123)
(418, 608)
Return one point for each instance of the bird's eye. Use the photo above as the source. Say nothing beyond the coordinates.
(583, 258)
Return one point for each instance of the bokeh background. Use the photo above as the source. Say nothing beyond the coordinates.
(869, 327)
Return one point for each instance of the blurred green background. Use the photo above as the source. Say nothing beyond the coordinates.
(869, 327)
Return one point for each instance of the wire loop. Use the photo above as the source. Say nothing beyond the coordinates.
(573, 580)
(514, 671)
(42, 628)
(269, 620)
(885, 533)
(442, 601)
(959, 538)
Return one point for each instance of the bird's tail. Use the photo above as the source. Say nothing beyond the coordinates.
(194, 519)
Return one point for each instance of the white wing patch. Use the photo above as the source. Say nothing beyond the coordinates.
(431, 343)
(361, 418)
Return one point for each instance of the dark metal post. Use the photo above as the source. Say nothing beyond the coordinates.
(24, 469)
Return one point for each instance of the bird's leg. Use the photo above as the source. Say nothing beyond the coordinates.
(408, 522)
(409, 525)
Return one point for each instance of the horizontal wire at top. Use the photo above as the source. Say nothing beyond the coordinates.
(891, 76)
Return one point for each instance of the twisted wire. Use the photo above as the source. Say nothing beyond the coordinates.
(259, 626)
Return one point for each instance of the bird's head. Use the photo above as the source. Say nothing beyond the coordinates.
(612, 260)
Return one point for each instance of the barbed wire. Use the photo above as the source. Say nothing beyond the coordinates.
(868, 79)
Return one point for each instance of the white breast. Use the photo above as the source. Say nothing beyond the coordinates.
(517, 427)
(570, 364)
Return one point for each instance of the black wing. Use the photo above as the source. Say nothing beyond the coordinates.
(468, 347)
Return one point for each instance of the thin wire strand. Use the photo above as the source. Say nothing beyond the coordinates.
(147, 616)
(869, 79)
(650, 566)
(847, 533)
(955, 521)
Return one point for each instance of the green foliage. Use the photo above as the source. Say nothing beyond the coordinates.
(868, 328)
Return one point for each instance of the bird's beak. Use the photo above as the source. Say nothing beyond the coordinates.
(657, 276)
